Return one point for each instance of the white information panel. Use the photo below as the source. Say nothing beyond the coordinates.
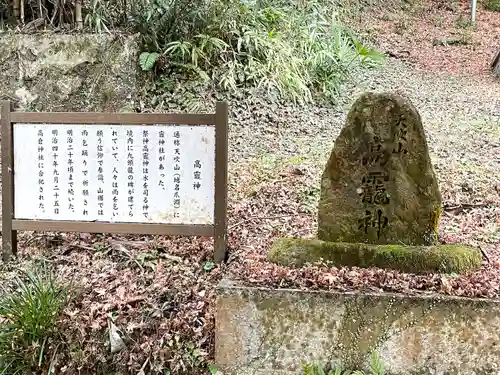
(115, 173)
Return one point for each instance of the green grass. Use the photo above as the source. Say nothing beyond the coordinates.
(29, 309)
(376, 368)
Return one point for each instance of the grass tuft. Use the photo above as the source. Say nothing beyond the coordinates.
(492, 5)
(29, 308)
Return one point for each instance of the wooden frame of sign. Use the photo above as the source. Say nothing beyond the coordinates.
(11, 224)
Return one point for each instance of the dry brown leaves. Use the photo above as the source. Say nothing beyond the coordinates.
(417, 36)
(161, 296)
(477, 226)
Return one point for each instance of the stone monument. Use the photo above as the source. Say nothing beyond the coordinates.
(380, 202)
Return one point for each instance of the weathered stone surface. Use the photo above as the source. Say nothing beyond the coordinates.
(261, 331)
(495, 64)
(379, 185)
(51, 72)
(450, 258)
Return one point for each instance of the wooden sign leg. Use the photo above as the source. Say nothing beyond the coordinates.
(9, 236)
(220, 214)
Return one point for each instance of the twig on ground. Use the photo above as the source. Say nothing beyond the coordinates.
(171, 257)
(74, 246)
(485, 255)
(133, 244)
(460, 207)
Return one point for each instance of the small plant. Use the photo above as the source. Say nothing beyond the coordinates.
(376, 368)
(212, 369)
(29, 308)
(464, 22)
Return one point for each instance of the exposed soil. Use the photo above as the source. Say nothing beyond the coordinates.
(161, 290)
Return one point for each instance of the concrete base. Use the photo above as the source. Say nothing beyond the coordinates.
(262, 331)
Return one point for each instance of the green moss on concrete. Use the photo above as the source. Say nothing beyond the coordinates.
(448, 258)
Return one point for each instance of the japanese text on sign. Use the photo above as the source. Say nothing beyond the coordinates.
(115, 173)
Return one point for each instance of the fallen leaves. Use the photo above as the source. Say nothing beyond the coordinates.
(160, 291)
(462, 48)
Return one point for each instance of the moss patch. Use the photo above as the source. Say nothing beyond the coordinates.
(415, 259)
(493, 5)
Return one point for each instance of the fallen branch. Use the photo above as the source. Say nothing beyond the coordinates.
(398, 55)
(132, 244)
(485, 255)
(71, 247)
(462, 206)
(495, 64)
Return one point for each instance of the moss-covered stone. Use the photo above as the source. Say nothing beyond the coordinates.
(379, 186)
(450, 258)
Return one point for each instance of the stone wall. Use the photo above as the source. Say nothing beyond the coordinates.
(59, 72)
(263, 331)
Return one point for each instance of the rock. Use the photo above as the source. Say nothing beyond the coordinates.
(115, 341)
(69, 72)
(449, 258)
(495, 64)
(379, 186)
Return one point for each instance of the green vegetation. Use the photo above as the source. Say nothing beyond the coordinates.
(416, 259)
(493, 5)
(29, 309)
(376, 368)
(284, 50)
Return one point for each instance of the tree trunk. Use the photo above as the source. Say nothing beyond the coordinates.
(22, 11)
(40, 9)
(16, 9)
(78, 11)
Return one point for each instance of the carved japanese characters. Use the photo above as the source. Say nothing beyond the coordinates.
(379, 185)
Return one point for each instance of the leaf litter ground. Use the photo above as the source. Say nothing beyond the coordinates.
(160, 292)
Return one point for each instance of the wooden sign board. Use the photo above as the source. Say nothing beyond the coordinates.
(163, 174)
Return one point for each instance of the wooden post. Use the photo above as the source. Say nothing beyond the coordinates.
(9, 236)
(221, 160)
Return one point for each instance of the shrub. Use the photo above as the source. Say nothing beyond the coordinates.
(284, 49)
(28, 311)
